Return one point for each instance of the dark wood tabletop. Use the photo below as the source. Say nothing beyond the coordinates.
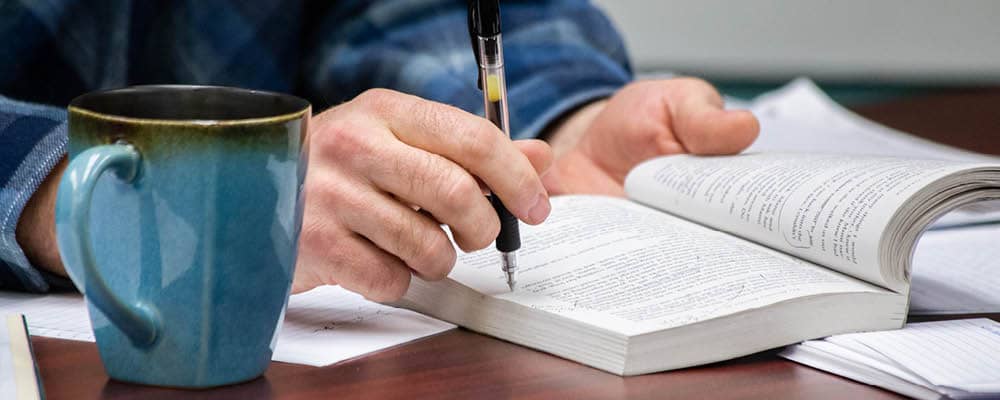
(463, 364)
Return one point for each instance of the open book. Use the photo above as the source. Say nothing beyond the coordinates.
(712, 258)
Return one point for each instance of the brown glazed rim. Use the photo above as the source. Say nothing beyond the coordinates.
(306, 108)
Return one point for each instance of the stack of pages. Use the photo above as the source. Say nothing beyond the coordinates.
(955, 261)
(18, 375)
(931, 360)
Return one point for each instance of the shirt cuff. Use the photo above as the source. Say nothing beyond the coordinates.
(16, 272)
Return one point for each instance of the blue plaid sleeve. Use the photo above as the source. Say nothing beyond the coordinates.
(32, 141)
(559, 55)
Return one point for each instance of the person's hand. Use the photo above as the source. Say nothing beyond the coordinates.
(599, 144)
(385, 170)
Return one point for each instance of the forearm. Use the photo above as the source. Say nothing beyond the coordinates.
(32, 147)
(36, 229)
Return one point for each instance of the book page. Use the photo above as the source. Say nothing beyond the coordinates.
(828, 209)
(799, 117)
(631, 269)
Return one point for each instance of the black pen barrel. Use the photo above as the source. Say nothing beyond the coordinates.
(509, 238)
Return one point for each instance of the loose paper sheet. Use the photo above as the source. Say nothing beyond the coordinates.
(958, 359)
(957, 271)
(799, 117)
(961, 354)
(323, 326)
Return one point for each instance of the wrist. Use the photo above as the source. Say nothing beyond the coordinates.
(566, 132)
(36, 231)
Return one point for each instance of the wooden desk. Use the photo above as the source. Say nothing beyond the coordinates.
(462, 364)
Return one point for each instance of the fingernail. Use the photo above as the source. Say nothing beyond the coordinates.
(540, 210)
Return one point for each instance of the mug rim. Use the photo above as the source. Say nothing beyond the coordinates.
(303, 106)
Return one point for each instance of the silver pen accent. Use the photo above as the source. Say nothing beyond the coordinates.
(509, 260)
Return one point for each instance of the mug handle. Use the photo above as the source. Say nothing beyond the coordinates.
(139, 321)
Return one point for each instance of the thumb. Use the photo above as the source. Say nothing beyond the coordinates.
(538, 153)
(703, 127)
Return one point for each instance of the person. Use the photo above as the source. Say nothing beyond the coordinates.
(400, 134)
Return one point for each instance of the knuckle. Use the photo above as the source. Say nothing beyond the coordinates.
(314, 235)
(376, 99)
(323, 197)
(527, 180)
(459, 191)
(478, 138)
(417, 174)
(486, 232)
(388, 285)
(374, 95)
(479, 234)
(404, 234)
(341, 139)
(436, 257)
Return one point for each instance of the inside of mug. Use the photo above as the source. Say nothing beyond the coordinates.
(183, 102)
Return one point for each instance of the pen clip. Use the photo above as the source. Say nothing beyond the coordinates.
(473, 13)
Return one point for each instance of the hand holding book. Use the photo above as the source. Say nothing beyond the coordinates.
(600, 143)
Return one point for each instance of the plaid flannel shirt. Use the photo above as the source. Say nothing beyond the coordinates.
(559, 55)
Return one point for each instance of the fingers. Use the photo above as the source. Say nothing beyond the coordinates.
(429, 181)
(399, 230)
(702, 125)
(469, 141)
(434, 184)
(375, 160)
(330, 252)
(352, 262)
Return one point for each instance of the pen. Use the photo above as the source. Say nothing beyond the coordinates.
(484, 31)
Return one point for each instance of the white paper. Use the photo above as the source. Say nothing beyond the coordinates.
(62, 316)
(979, 213)
(323, 326)
(958, 359)
(329, 324)
(957, 271)
(799, 117)
(960, 354)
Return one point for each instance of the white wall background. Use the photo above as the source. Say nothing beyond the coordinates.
(900, 41)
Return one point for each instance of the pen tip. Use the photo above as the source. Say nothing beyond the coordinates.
(509, 266)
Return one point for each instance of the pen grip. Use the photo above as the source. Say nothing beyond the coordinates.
(509, 238)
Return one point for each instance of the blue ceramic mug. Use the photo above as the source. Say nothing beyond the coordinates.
(178, 218)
